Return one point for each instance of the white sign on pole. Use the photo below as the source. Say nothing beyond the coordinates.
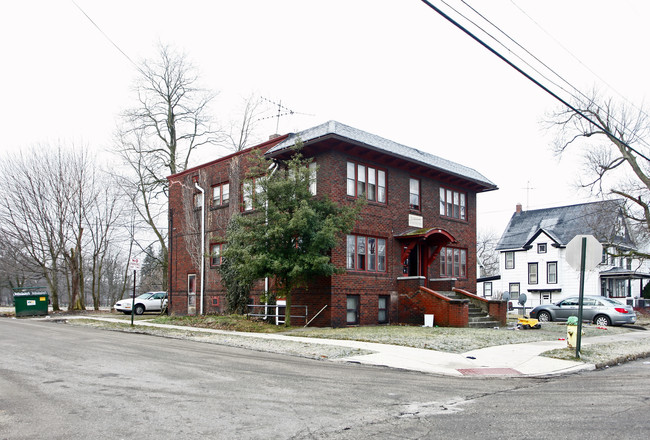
(135, 264)
(593, 252)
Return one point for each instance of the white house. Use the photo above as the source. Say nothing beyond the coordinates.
(533, 261)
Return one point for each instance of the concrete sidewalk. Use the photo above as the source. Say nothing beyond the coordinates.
(504, 360)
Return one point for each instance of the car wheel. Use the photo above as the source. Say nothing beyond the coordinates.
(602, 320)
(544, 317)
(139, 309)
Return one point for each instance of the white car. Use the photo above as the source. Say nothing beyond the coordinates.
(147, 302)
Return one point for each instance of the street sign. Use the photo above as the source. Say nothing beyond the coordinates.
(583, 253)
(593, 252)
(135, 264)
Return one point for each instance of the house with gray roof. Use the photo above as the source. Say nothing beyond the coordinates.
(533, 256)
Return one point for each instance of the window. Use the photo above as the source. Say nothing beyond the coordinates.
(191, 290)
(453, 262)
(352, 308)
(541, 248)
(365, 253)
(532, 273)
(487, 288)
(250, 188)
(551, 272)
(414, 194)
(198, 200)
(366, 181)
(603, 259)
(216, 250)
(382, 317)
(514, 291)
(312, 178)
(220, 194)
(510, 260)
(453, 204)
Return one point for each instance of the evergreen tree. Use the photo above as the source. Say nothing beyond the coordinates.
(290, 233)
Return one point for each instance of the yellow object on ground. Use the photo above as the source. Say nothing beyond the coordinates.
(527, 323)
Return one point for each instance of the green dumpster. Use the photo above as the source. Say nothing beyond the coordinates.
(31, 301)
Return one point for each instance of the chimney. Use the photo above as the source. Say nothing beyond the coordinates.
(518, 208)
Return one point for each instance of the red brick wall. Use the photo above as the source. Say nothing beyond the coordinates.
(377, 220)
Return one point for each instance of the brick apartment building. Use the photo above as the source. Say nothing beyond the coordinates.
(417, 231)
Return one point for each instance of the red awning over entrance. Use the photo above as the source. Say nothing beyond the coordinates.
(435, 238)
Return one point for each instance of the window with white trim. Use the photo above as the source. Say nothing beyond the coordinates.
(366, 181)
(453, 204)
(510, 260)
(220, 194)
(414, 194)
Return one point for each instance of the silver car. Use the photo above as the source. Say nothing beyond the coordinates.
(596, 309)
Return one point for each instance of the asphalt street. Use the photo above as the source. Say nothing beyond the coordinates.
(68, 382)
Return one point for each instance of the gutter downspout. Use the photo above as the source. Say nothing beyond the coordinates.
(273, 167)
(196, 185)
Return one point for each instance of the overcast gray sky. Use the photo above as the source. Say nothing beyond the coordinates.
(390, 67)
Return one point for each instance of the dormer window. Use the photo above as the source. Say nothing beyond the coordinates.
(541, 248)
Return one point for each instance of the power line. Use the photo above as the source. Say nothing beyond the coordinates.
(533, 80)
(105, 35)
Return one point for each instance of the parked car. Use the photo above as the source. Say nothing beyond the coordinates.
(147, 302)
(596, 309)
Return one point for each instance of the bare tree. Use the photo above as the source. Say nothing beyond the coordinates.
(159, 135)
(615, 150)
(486, 252)
(38, 199)
(242, 133)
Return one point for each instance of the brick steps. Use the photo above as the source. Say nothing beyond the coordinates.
(477, 317)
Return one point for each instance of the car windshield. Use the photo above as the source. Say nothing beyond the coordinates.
(144, 295)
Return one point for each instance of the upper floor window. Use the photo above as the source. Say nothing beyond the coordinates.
(312, 178)
(453, 262)
(365, 253)
(510, 260)
(532, 273)
(216, 250)
(551, 272)
(366, 181)
(249, 189)
(414, 194)
(541, 248)
(453, 204)
(198, 200)
(220, 194)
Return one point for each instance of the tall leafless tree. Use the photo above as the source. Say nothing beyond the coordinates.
(157, 137)
(615, 152)
(488, 256)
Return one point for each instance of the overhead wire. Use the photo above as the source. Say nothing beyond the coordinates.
(596, 124)
(564, 48)
(106, 36)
